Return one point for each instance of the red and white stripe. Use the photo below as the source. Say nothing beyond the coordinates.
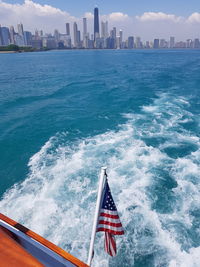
(110, 223)
(110, 244)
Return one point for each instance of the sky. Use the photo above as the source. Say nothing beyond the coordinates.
(148, 19)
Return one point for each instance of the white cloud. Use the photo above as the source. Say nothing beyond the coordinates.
(153, 16)
(118, 16)
(88, 15)
(34, 15)
(194, 18)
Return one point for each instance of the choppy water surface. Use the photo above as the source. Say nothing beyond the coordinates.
(64, 114)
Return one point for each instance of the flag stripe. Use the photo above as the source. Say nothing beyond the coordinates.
(117, 229)
(110, 244)
(113, 232)
(109, 215)
(111, 212)
(111, 223)
(107, 219)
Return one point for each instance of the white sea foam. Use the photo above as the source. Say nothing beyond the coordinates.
(57, 199)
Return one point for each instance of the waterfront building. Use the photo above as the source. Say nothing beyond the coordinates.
(84, 27)
(172, 42)
(85, 34)
(36, 43)
(5, 34)
(147, 45)
(156, 43)
(118, 44)
(86, 41)
(189, 43)
(100, 43)
(1, 39)
(21, 32)
(181, 44)
(113, 36)
(41, 33)
(130, 44)
(138, 42)
(90, 44)
(67, 28)
(12, 35)
(110, 43)
(104, 29)
(163, 43)
(75, 27)
(79, 39)
(27, 38)
(49, 42)
(196, 43)
(18, 40)
(37, 35)
(120, 38)
(124, 44)
(57, 36)
(96, 23)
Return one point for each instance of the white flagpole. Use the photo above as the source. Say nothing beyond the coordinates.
(96, 216)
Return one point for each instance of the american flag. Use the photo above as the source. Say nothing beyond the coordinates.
(109, 221)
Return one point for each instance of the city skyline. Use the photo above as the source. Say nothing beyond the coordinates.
(101, 38)
(48, 15)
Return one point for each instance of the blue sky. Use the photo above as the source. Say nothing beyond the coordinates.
(145, 18)
(130, 7)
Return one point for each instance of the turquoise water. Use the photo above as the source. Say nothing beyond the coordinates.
(64, 114)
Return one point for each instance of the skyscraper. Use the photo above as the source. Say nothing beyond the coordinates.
(130, 42)
(21, 32)
(12, 35)
(85, 34)
(67, 28)
(5, 35)
(75, 34)
(96, 23)
(172, 42)
(120, 38)
(196, 43)
(20, 29)
(104, 29)
(84, 27)
(56, 35)
(78, 39)
(156, 43)
(27, 38)
(138, 42)
(1, 39)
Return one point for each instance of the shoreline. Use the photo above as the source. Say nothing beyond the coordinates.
(105, 49)
(7, 52)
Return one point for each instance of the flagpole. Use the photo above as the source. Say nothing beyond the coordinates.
(99, 196)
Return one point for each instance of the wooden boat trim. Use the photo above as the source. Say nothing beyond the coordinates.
(43, 241)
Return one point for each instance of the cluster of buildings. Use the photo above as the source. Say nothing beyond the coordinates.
(73, 39)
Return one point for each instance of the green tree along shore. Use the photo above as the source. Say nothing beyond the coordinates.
(17, 48)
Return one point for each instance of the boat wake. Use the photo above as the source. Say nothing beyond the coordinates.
(153, 168)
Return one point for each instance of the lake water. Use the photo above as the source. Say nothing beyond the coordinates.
(64, 114)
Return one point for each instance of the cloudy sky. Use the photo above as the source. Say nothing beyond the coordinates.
(145, 18)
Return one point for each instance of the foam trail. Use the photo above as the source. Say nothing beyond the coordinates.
(157, 193)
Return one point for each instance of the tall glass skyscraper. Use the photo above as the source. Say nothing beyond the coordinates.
(96, 23)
